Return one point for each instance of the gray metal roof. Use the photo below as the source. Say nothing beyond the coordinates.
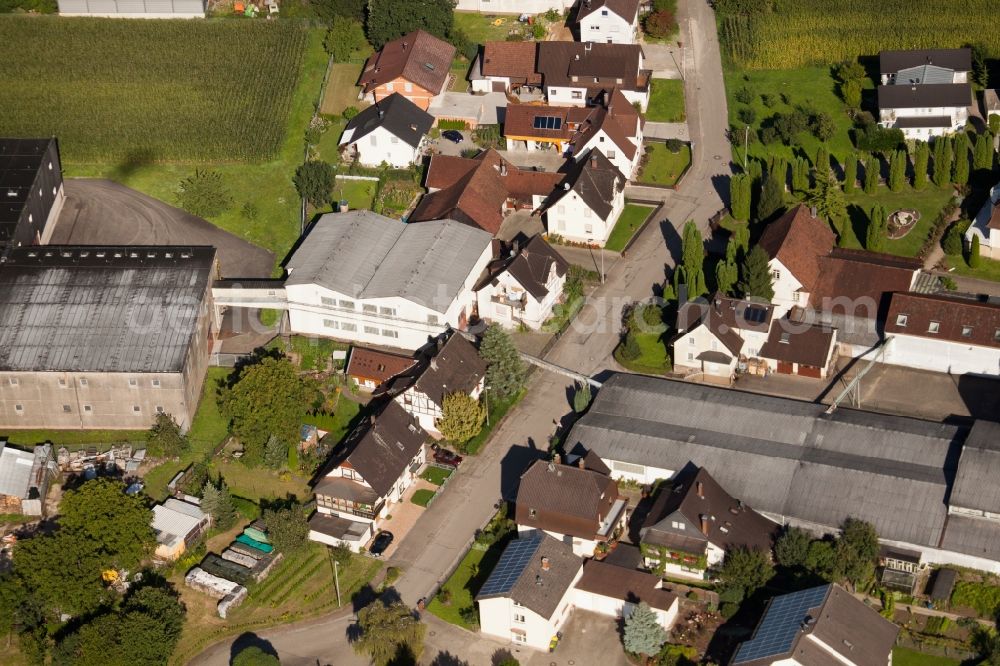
(366, 255)
(924, 74)
(783, 456)
(15, 471)
(976, 484)
(100, 309)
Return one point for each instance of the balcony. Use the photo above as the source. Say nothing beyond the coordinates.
(509, 300)
(642, 80)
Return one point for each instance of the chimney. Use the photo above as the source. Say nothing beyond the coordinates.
(413, 127)
(588, 46)
(404, 46)
(812, 211)
(580, 463)
(516, 247)
(434, 363)
(704, 523)
(371, 419)
(556, 458)
(566, 186)
(503, 169)
(545, 564)
(593, 162)
(700, 489)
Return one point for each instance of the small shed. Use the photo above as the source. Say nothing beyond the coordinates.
(944, 583)
(177, 525)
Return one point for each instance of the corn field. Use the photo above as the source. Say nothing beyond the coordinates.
(130, 92)
(800, 33)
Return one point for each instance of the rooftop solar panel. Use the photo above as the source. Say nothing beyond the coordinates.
(547, 122)
(511, 565)
(755, 315)
(784, 617)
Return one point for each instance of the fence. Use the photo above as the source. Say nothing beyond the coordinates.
(348, 177)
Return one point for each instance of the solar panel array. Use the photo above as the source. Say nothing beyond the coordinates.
(782, 621)
(755, 315)
(547, 122)
(511, 565)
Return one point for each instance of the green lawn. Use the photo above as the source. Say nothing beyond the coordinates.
(328, 148)
(359, 193)
(74, 439)
(337, 423)
(661, 167)
(902, 656)
(268, 186)
(666, 101)
(628, 223)
(498, 409)
(653, 359)
(341, 91)
(811, 87)
(989, 269)
(464, 584)
(479, 28)
(422, 497)
(435, 475)
(929, 202)
(459, 69)
(208, 429)
(256, 483)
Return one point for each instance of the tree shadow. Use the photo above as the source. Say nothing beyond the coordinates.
(249, 640)
(134, 160)
(448, 659)
(858, 219)
(513, 465)
(672, 239)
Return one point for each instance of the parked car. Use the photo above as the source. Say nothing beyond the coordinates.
(453, 135)
(443, 456)
(380, 543)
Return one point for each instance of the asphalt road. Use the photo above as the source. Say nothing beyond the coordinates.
(440, 537)
(102, 212)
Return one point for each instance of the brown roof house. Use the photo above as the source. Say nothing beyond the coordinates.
(370, 367)
(944, 334)
(615, 591)
(586, 207)
(415, 65)
(486, 191)
(819, 626)
(925, 93)
(506, 67)
(529, 595)
(612, 126)
(719, 336)
(693, 522)
(367, 472)
(451, 364)
(572, 504)
(523, 285)
(609, 21)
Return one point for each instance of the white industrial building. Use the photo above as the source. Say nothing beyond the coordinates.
(134, 9)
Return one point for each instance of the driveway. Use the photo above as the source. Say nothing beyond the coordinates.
(443, 146)
(102, 212)
(543, 160)
(666, 131)
(663, 59)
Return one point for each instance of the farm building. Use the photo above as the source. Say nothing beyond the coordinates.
(177, 525)
(134, 9)
(103, 337)
(24, 479)
(32, 185)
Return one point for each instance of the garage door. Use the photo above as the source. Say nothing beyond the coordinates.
(784, 368)
(810, 371)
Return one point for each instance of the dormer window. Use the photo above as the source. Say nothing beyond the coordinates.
(933, 327)
(901, 320)
(966, 331)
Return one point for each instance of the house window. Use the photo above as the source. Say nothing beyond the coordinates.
(19, 409)
(676, 525)
(83, 382)
(561, 209)
(390, 86)
(532, 513)
(408, 87)
(691, 340)
(66, 409)
(576, 94)
(369, 309)
(595, 27)
(390, 333)
(795, 296)
(133, 383)
(933, 327)
(996, 335)
(349, 327)
(611, 154)
(776, 275)
(519, 638)
(12, 381)
(62, 383)
(388, 312)
(690, 356)
(87, 409)
(136, 409)
(347, 305)
(394, 139)
(588, 228)
(966, 331)
(371, 330)
(586, 212)
(901, 320)
(604, 12)
(373, 140)
(155, 383)
(159, 409)
(518, 618)
(326, 300)
(330, 323)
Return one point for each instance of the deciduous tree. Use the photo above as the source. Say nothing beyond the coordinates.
(792, 547)
(386, 630)
(118, 525)
(287, 527)
(388, 19)
(462, 417)
(745, 569)
(166, 436)
(314, 182)
(757, 280)
(267, 399)
(505, 371)
(344, 36)
(643, 634)
(856, 551)
(204, 194)
(254, 656)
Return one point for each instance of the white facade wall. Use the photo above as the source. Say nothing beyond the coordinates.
(959, 116)
(534, 312)
(355, 544)
(638, 473)
(688, 346)
(381, 145)
(581, 547)
(566, 96)
(485, 85)
(602, 605)
(149, 9)
(426, 411)
(787, 290)
(499, 616)
(942, 356)
(604, 25)
(394, 322)
(575, 221)
(989, 239)
(603, 144)
(513, 6)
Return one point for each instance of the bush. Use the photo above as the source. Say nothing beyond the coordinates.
(747, 115)
(660, 24)
(204, 194)
(674, 145)
(744, 95)
(470, 153)
(630, 348)
(452, 125)
(873, 138)
(350, 112)
(391, 575)
(769, 100)
(538, 31)
(489, 136)
(314, 182)
(727, 610)
(951, 243)
(982, 597)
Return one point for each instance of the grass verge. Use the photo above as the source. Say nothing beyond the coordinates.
(435, 475)
(662, 167)
(461, 588)
(629, 222)
(902, 656)
(422, 497)
(666, 101)
(653, 358)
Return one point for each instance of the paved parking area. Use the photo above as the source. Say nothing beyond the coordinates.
(404, 517)
(103, 212)
(585, 636)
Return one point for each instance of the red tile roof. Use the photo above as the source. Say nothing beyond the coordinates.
(795, 342)
(609, 580)
(418, 57)
(857, 281)
(377, 365)
(962, 320)
(627, 9)
(513, 60)
(798, 240)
